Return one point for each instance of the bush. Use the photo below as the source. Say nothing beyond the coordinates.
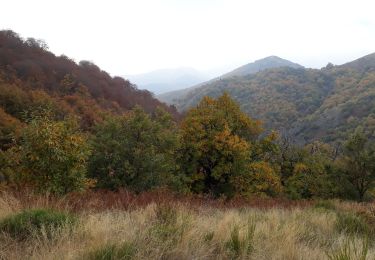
(113, 252)
(36, 222)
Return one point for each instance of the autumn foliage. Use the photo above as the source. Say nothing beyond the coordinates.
(67, 127)
(217, 141)
(32, 77)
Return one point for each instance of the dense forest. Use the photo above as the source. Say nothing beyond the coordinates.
(308, 104)
(66, 127)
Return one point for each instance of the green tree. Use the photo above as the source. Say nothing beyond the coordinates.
(313, 174)
(358, 163)
(136, 151)
(53, 155)
(288, 155)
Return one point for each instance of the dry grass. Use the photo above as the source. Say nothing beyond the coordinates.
(125, 200)
(166, 228)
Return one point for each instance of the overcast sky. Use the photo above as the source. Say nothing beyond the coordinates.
(127, 37)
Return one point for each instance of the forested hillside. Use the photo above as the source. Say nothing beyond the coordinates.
(32, 78)
(66, 127)
(308, 104)
(270, 62)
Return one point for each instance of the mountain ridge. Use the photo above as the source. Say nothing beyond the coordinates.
(247, 69)
(261, 64)
(310, 104)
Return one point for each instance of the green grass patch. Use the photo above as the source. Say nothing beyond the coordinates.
(125, 251)
(352, 224)
(241, 245)
(36, 222)
(325, 204)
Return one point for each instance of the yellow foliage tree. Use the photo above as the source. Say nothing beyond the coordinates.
(218, 145)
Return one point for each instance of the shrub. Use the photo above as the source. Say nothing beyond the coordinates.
(124, 251)
(35, 222)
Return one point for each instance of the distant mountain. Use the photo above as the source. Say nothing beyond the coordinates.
(248, 69)
(309, 104)
(161, 81)
(262, 64)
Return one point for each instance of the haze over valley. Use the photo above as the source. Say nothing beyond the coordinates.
(166, 80)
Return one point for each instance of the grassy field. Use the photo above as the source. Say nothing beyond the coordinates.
(158, 226)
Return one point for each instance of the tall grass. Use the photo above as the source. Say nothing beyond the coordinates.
(37, 222)
(350, 251)
(179, 229)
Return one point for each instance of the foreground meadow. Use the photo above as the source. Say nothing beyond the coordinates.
(159, 226)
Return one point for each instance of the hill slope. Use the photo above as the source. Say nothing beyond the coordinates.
(306, 103)
(248, 69)
(31, 76)
(362, 64)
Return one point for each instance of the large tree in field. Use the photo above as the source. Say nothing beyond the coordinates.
(218, 141)
(358, 163)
